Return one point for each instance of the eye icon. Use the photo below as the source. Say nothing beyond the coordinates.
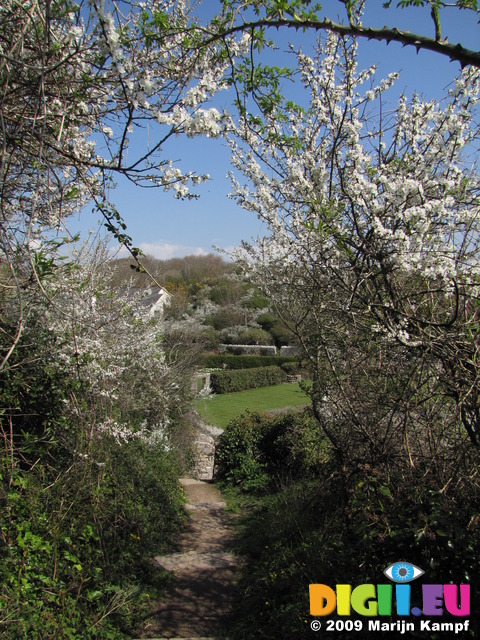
(403, 572)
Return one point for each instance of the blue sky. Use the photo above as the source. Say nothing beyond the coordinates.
(164, 227)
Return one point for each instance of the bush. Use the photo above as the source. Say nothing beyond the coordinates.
(309, 521)
(226, 317)
(242, 379)
(257, 448)
(236, 334)
(255, 336)
(76, 539)
(332, 529)
(80, 510)
(237, 456)
(276, 328)
(290, 367)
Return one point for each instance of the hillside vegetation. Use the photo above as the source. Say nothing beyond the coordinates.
(211, 301)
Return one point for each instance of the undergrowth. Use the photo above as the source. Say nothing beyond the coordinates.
(76, 542)
(80, 514)
(314, 523)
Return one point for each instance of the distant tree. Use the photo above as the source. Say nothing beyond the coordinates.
(227, 292)
(204, 267)
(277, 328)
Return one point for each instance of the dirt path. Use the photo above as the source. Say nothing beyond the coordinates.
(205, 571)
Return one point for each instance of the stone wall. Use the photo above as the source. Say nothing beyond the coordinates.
(289, 351)
(204, 447)
(204, 457)
(248, 349)
(200, 382)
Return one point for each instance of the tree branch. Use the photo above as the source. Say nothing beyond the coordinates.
(456, 52)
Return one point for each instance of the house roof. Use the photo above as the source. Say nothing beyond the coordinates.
(153, 298)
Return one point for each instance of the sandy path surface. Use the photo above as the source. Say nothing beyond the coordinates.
(204, 569)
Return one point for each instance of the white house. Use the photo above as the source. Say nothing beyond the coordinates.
(152, 300)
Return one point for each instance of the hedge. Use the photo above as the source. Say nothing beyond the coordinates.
(242, 379)
(214, 361)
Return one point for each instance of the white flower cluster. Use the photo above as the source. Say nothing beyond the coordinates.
(102, 81)
(109, 339)
(370, 197)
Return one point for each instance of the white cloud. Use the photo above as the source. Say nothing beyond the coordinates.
(166, 250)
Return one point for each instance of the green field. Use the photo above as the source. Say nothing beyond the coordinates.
(220, 409)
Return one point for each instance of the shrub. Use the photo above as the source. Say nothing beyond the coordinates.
(76, 528)
(333, 529)
(310, 521)
(255, 336)
(257, 448)
(227, 292)
(242, 379)
(88, 489)
(226, 317)
(238, 334)
(75, 539)
(276, 328)
(290, 367)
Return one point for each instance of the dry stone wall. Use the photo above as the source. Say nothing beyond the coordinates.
(204, 451)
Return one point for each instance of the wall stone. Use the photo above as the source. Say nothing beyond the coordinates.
(205, 382)
(204, 448)
(204, 457)
(289, 351)
(248, 349)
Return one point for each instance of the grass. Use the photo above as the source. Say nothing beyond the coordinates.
(220, 409)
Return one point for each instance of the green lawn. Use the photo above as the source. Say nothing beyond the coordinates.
(220, 409)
